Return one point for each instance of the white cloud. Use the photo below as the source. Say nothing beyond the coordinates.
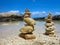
(14, 11)
(57, 13)
(38, 12)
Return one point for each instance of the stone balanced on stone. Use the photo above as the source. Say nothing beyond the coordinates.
(26, 31)
(49, 25)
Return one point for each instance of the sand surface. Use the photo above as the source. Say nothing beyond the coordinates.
(9, 35)
(40, 40)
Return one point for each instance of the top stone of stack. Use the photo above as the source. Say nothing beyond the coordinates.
(27, 12)
(49, 18)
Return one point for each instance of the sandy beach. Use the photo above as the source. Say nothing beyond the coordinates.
(10, 36)
(40, 40)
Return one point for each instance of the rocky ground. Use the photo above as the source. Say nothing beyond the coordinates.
(40, 40)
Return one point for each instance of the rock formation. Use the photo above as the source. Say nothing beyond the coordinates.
(26, 31)
(49, 26)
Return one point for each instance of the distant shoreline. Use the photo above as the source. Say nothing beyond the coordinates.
(20, 18)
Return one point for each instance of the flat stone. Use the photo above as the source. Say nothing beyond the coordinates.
(29, 21)
(50, 28)
(27, 36)
(49, 24)
(26, 29)
(30, 36)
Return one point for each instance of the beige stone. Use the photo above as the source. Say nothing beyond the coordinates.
(30, 36)
(29, 21)
(27, 36)
(50, 28)
(26, 29)
(49, 16)
(27, 12)
(48, 20)
(26, 16)
(49, 24)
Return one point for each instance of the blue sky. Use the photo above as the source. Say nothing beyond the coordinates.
(38, 8)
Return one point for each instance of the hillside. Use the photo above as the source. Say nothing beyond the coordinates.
(56, 17)
(7, 16)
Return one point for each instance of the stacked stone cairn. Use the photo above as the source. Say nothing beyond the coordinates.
(26, 31)
(49, 25)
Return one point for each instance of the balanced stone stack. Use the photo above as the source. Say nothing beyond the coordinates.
(49, 26)
(26, 31)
